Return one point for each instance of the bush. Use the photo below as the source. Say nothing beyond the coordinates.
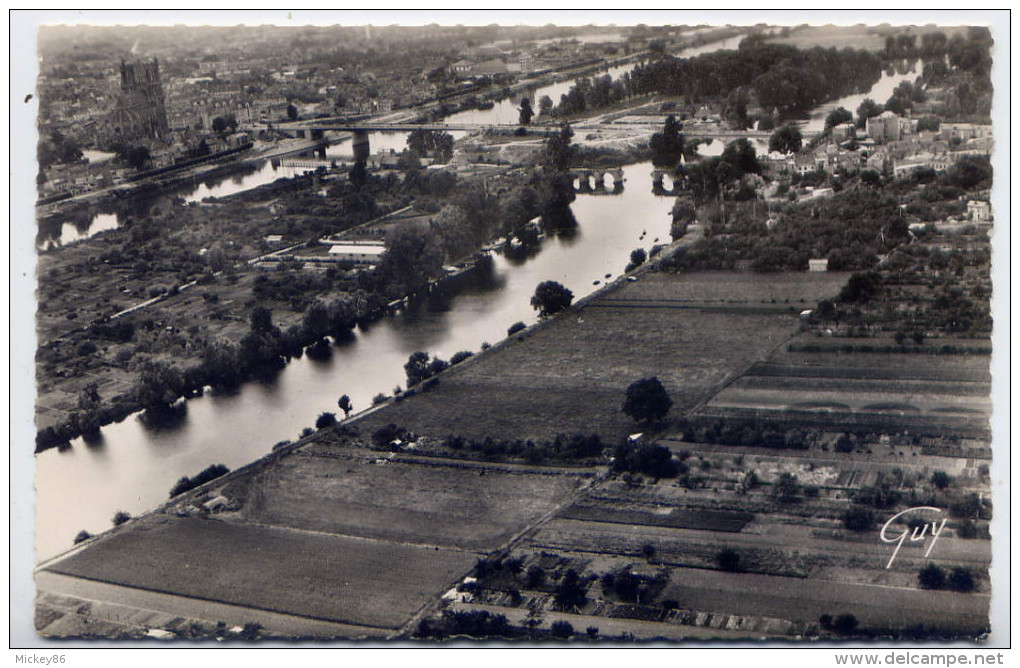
(186, 484)
(461, 356)
(728, 560)
(325, 420)
(967, 530)
(516, 327)
(960, 579)
(82, 537)
(940, 479)
(378, 399)
(858, 519)
(563, 629)
(120, 517)
(931, 577)
(845, 623)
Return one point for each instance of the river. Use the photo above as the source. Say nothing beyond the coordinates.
(504, 112)
(133, 467)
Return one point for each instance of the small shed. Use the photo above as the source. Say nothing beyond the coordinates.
(818, 264)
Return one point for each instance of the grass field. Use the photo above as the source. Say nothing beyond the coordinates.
(320, 576)
(433, 502)
(634, 332)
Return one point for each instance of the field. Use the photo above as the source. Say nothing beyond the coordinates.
(335, 578)
(931, 393)
(327, 532)
(434, 502)
(838, 37)
(691, 331)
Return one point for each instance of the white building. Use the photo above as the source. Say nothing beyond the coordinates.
(360, 253)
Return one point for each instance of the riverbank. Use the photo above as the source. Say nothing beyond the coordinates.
(511, 388)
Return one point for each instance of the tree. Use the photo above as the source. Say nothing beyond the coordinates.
(358, 176)
(647, 400)
(667, 146)
(845, 623)
(417, 368)
(431, 144)
(786, 488)
(559, 150)
(638, 256)
(344, 403)
(961, 579)
(838, 116)
(413, 255)
(858, 519)
(931, 577)
(870, 177)
(292, 112)
(786, 139)
(325, 420)
(551, 297)
(563, 629)
(120, 517)
(741, 157)
(222, 125)
(728, 559)
(969, 172)
(526, 112)
(545, 104)
(940, 479)
(867, 109)
(570, 592)
(135, 156)
(82, 536)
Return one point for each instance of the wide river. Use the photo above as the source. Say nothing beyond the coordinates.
(133, 467)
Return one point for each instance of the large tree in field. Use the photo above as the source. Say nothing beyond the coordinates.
(551, 297)
(786, 139)
(647, 400)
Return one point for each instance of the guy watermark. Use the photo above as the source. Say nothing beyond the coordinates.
(918, 533)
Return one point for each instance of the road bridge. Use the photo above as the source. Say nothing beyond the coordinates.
(314, 129)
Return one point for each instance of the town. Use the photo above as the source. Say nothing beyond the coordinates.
(601, 333)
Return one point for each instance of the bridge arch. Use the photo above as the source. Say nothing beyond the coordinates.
(600, 180)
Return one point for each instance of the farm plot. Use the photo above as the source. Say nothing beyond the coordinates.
(435, 502)
(948, 394)
(680, 518)
(790, 598)
(851, 398)
(319, 576)
(600, 348)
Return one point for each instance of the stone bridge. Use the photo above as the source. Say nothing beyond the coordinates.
(593, 179)
(660, 177)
